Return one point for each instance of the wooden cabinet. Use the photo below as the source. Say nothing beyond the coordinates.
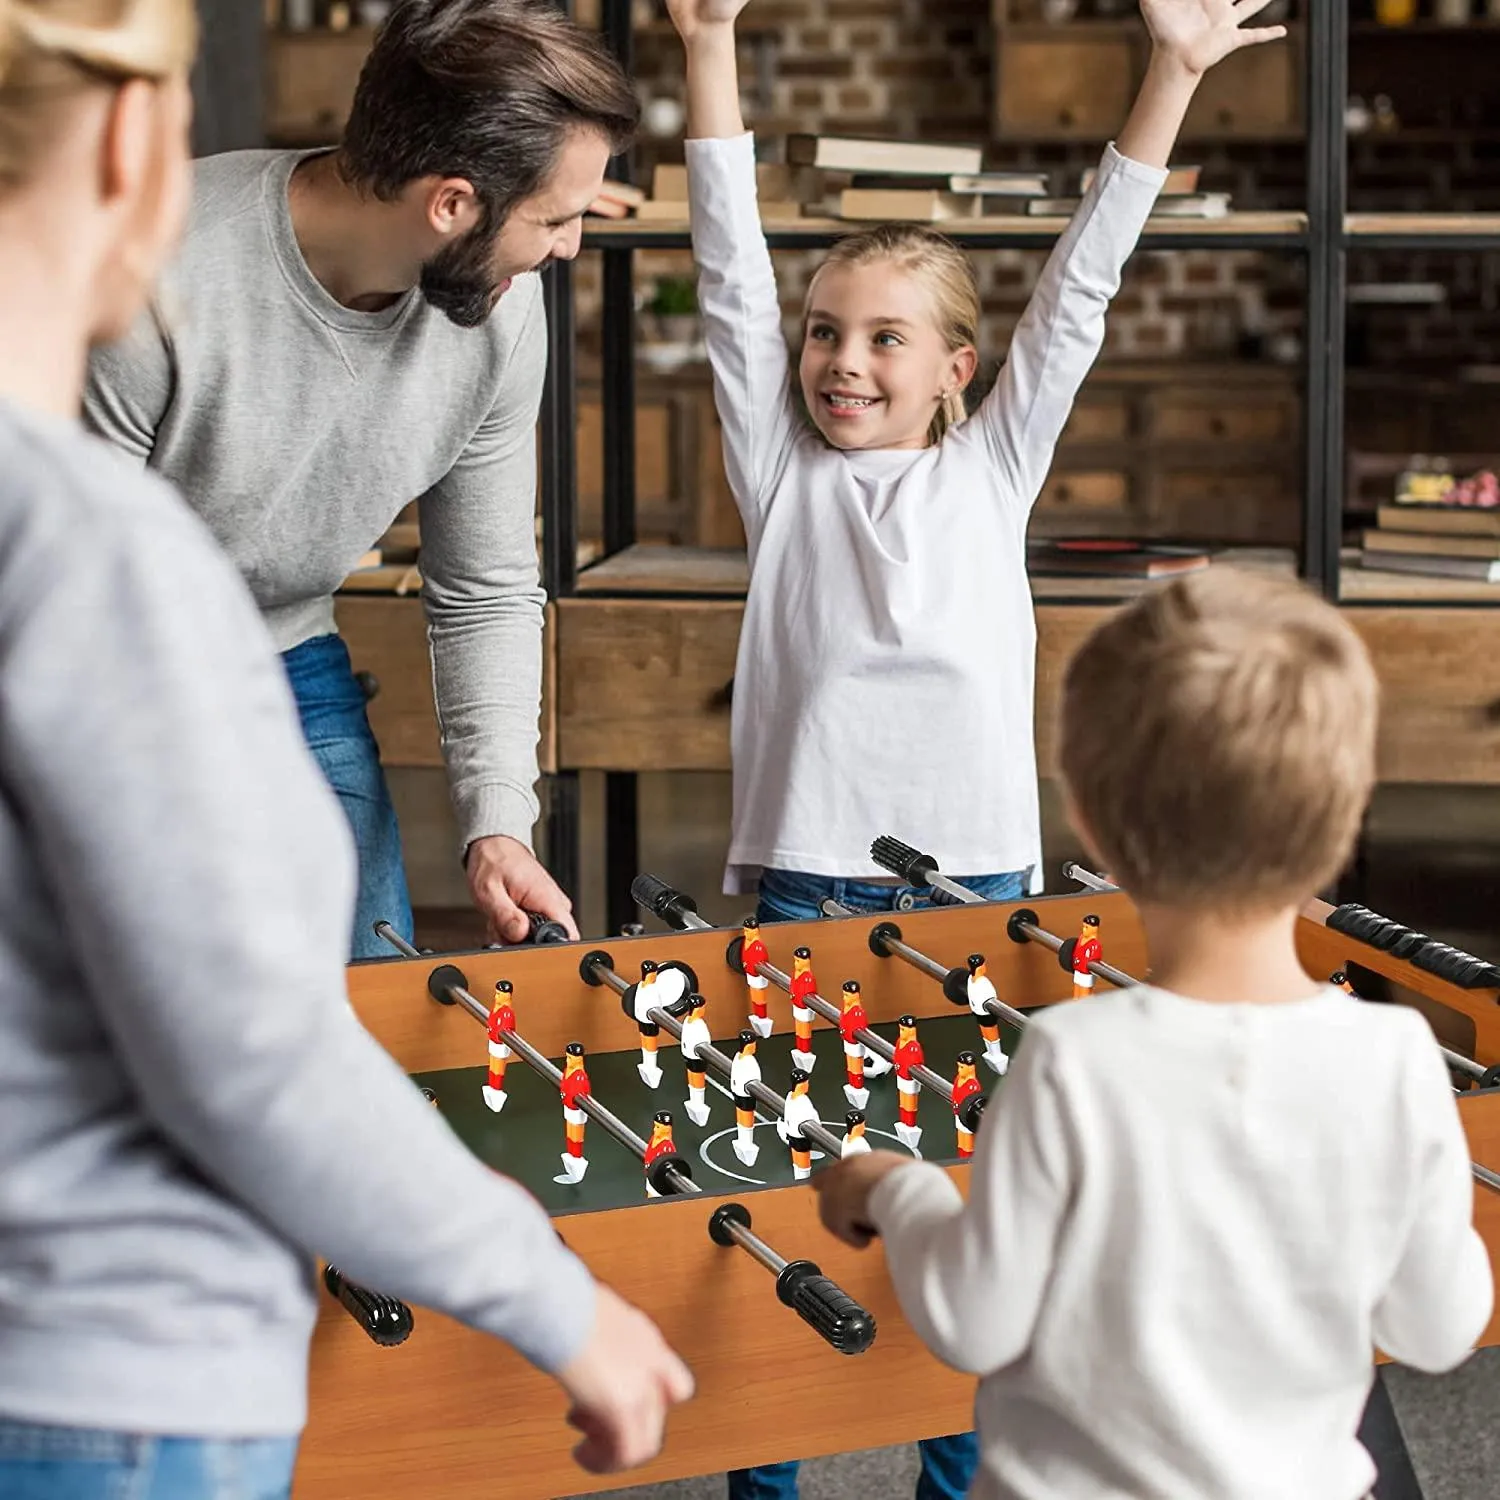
(1439, 675)
(644, 684)
(1075, 81)
(1051, 85)
(310, 78)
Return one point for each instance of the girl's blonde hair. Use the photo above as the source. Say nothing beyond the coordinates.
(948, 276)
(51, 49)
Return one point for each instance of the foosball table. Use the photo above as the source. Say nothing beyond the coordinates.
(674, 1170)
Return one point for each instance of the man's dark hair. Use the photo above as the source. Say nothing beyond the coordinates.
(486, 90)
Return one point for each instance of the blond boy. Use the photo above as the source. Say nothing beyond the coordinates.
(1197, 1207)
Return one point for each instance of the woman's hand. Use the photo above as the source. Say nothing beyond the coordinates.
(1193, 33)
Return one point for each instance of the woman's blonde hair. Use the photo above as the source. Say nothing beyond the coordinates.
(948, 276)
(50, 49)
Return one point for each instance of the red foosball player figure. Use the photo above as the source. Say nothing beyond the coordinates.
(645, 1000)
(574, 1087)
(981, 990)
(852, 1018)
(965, 1086)
(753, 954)
(502, 1020)
(743, 1071)
(1085, 952)
(695, 1034)
(1341, 979)
(908, 1056)
(799, 1111)
(658, 1146)
(803, 985)
(855, 1143)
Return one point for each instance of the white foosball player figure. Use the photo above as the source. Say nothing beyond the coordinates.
(981, 991)
(855, 1143)
(695, 1034)
(743, 1071)
(800, 1111)
(646, 998)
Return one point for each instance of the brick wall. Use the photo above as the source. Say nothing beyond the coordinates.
(922, 68)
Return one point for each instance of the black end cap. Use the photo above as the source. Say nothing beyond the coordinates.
(442, 979)
(724, 1215)
(1022, 916)
(956, 986)
(658, 1173)
(590, 964)
(971, 1112)
(880, 935)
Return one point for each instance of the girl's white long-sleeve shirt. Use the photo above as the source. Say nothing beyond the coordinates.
(885, 676)
(1188, 1227)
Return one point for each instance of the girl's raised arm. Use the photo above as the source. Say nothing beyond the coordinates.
(736, 283)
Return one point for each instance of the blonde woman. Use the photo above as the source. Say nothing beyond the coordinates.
(177, 1139)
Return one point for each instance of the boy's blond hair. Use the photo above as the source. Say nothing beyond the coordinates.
(1218, 742)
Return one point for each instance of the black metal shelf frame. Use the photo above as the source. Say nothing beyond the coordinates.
(1324, 243)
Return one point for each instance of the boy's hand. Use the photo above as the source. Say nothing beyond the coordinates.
(690, 16)
(844, 1194)
(622, 1384)
(1194, 33)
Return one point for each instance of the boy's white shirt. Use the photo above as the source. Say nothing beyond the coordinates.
(1188, 1227)
(885, 676)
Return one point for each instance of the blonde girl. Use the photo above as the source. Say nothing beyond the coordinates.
(885, 673)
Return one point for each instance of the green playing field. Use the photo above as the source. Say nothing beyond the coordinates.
(525, 1140)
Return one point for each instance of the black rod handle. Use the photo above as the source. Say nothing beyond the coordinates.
(387, 1320)
(825, 1307)
(914, 867)
(674, 907)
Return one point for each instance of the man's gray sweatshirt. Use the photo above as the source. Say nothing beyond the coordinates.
(298, 428)
(189, 1110)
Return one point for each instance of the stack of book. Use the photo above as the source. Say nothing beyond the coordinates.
(1112, 557)
(878, 181)
(1447, 538)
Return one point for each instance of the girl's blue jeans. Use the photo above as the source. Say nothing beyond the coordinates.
(948, 1463)
(39, 1462)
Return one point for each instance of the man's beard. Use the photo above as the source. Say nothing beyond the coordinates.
(460, 279)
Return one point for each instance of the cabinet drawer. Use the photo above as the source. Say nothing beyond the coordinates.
(1067, 493)
(1060, 630)
(1064, 87)
(1439, 675)
(387, 637)
(1097, 422)
(310, 78)
(643, 684)
(1252, 92)
(1186, 417)
(1235, 505)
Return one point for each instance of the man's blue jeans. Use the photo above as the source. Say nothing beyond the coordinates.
(948, 1463)
(72, 1463)
(331, 704)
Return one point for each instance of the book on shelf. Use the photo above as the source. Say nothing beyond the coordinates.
(1167, 206)
(1434, 544)
(1450, 520)
(1113, 558)
(982, 184)
(857, 154)
(925, 205)
(667, 211)
(1179, 180)
(1475, 569)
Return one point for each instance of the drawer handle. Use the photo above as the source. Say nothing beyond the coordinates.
(369, 684)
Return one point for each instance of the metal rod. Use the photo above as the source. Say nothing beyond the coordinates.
(1076, 872)
(1117, 977)
(605, 1117)
(1488, 1178)
(934, 970)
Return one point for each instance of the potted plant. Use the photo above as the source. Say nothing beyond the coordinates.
(671, 323)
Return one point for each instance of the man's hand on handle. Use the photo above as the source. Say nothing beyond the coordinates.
(622, 1385)
(506, 881)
